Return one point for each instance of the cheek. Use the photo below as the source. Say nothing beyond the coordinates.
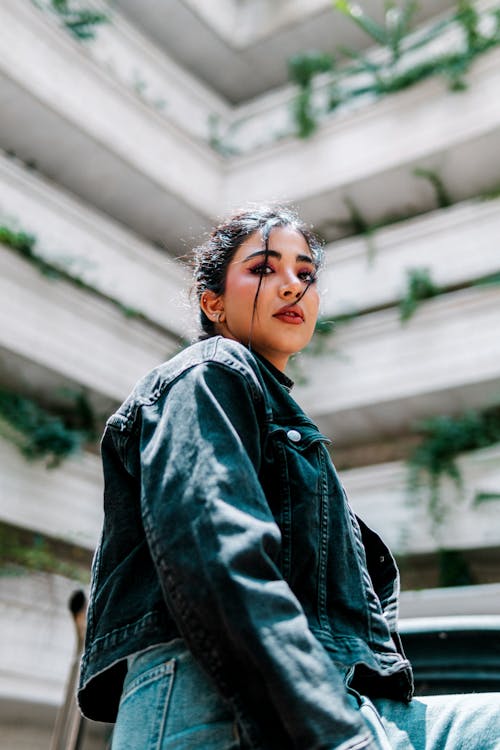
(239, 294)
(240, 288)
(312, 298)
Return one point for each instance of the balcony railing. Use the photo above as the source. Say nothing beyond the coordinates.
(380, 494)
(70, 334)
(377, 376)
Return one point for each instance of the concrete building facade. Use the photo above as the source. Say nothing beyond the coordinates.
(121, 142)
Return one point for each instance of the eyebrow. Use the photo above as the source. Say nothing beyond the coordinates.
(275, 254)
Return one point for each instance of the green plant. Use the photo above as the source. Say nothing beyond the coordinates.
(25, 245)
(419, 286)
(490, 195)
(40, 434)
(23, 550)
(493, 279)
(20, 241)
(355, 224)
(81, 23)
(391, 33)
(453, 568)
(302, 68)
(442, 195)
(469, 19)
(360, 225)
(140, 87)
(485, 497)
(326, 327)
(217, 140)
(398, 67)
(444, 438)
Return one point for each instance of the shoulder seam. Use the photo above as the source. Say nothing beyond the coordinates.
(124, 421)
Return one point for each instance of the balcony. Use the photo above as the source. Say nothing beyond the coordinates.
(70, 337)
(110, 153)
(48, 80)
(377, 376)
(63, 503)
(40, 636)
(459, 245)
(380, 145)
(455, 600)
(245, 47)
(380, 496)
(36, 650)
(80, 240)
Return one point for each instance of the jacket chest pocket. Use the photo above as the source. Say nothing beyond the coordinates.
(296, 485)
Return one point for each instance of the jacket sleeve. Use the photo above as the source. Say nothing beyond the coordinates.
(215, 544)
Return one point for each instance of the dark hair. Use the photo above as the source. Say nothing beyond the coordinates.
(211, 259)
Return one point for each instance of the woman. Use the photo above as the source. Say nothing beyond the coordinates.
(236, 600)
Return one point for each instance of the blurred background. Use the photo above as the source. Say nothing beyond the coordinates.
(126, 130)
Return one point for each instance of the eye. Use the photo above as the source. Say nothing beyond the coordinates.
(263, 269)
(308, 276)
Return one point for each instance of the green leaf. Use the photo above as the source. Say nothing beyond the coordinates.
(454, 570)
(485, 497)
(354, 11)
(42, 434)
(442, 196)
(20, 241)
(303, 114)
(365, 64)
(490, 280)
(444, 438)
(325, 326)
(61, 6)
(397, 23)
(468, 18)
(303, 66)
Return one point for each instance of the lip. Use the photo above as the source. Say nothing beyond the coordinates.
(290, 314)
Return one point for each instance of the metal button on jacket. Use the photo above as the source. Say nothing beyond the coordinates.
(294, 436)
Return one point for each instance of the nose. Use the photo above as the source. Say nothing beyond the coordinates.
(291, 288)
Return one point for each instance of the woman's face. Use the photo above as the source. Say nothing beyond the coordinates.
(285, 314)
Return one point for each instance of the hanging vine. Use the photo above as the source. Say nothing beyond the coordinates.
(302, 68)
(24, 244)
(419, 287)
(444, 438)
(391, 70)
(23, 551)
(42, 434)
(443, 198)
(453, 568)
(80, 22)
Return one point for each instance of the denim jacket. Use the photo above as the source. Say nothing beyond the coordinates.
(225, 523)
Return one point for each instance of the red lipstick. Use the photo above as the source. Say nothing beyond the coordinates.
(291, 314)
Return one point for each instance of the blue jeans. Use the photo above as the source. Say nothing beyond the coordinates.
(436, 722)
(443, 722)
(168, 703)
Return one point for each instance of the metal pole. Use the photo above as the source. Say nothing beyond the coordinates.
(67, 734)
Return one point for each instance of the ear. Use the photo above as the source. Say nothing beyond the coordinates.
(212, 305)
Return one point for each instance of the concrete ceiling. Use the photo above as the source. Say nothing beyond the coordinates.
(248, 55)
